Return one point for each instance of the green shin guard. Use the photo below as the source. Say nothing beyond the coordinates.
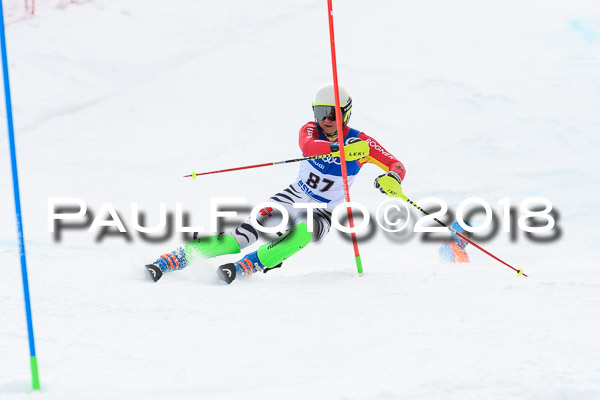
(211, 246)
(273, 253)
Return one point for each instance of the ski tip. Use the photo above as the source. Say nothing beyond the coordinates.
(154, 271)
(226, 273)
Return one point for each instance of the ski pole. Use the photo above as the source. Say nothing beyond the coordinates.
(393, 189)
(194, 174)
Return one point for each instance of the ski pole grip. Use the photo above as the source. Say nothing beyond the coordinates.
(391, 186)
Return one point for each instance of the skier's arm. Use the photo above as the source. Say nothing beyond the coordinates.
(310, 143)
(382, 158)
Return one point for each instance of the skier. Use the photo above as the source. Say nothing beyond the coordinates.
(319, 181)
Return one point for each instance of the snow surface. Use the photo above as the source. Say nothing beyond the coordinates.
(115, 100)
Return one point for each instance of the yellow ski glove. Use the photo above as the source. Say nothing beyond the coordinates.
(354, 149)
(389, 184)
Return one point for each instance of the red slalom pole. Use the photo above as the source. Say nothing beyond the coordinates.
(340, 129)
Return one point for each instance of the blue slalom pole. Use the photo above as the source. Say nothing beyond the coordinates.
(35, 380)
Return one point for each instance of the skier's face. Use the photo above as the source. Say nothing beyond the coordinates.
(328, 126)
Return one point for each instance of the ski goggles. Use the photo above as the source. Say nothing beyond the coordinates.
(328, 112)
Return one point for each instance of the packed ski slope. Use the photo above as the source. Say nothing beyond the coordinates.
(114, 101)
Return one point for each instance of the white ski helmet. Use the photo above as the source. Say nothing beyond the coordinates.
(324, 104)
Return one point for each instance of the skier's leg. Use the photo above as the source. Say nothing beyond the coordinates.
(230, 242)
(321, 222)
(269, 255)
(246, 235)
(206, 247)
(272, 254)
(211, 246)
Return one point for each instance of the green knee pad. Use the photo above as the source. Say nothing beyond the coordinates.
(271, 254)
(211, 246)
